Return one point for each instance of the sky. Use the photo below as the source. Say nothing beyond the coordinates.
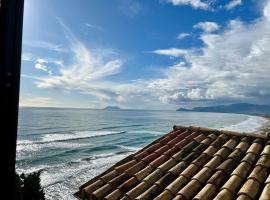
(137, 54)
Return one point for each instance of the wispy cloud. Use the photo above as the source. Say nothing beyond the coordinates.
(87, 71)
(130, 8)
(182, 36)
(89, 25)
(232, 4)
(207, 27)
(45, 45)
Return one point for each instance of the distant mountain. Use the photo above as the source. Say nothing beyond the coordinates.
(244, 108)
(112, 108)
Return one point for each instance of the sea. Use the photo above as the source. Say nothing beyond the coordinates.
(71, 146)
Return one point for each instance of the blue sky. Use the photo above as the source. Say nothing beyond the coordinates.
(156, 54)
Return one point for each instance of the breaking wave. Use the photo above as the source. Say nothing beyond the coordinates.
(251, 124)
(48, 138)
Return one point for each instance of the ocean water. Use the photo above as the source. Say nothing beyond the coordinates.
(71, 146)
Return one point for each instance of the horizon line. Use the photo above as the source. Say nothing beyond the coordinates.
(93, 108)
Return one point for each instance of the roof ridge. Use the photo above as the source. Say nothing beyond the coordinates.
(254, 134)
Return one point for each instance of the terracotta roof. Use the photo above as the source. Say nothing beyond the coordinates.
(189, 163)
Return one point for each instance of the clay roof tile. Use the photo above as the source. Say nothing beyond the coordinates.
(264, 161)
(211, 150)
(218, 179)
(203, 175)
(214, 162)
(200, 138)
(223, 152)
(265, 193)
(190, 171)
(116, 194)
(166, 194)
(266, 150)
(250, 188)
(189, 190)
(243, 146)
(158, 161)
(224, 194)
(135, 168)
(92, 187)
(268, 179)
(125, 166)
(177, 184)
(133, 193)
(259, 173)
(233, 184)
(129, 184)
(242, 170)
(168, 164)
(143, 173)
(249, 158)
(254, 148)
(231, 143)
(208, 192)
(177, 169)
(154, 176)
(243, 197)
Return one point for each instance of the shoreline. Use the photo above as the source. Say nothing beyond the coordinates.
(265, 129)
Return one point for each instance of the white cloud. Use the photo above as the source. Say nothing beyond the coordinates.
(266, 10)
(41, 64)
(209, 5)
(232, 66)
(207, 27)
(41, 60)
(181, 36)
(41, 67)
(197, 4)
(93, 26)
(232, 4)
(174, 52)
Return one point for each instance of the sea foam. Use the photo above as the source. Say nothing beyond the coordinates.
(253, 123)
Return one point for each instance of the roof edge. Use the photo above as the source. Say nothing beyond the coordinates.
(210, 130)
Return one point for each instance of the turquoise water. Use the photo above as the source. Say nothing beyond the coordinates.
(73, 145)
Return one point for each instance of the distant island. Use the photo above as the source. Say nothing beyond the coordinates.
(244, 108)
(111, 108)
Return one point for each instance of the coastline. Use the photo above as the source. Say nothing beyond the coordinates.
(265, 129)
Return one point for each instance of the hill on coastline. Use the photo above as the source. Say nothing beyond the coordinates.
(244, 108)
(111, 108)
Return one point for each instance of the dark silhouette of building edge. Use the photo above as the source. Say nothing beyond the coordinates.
(11, 21)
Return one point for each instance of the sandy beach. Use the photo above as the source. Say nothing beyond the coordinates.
(265, 130)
